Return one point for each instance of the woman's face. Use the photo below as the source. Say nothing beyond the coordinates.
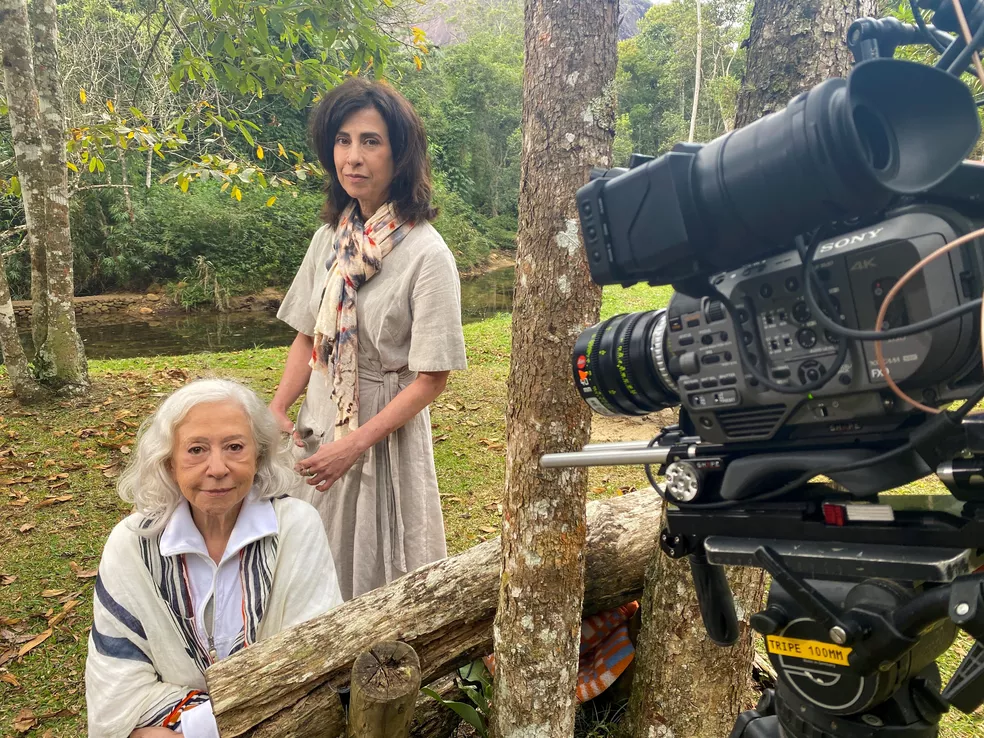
(364, 159)
(213, 460)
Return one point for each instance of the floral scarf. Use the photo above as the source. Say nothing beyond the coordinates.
(359, 252)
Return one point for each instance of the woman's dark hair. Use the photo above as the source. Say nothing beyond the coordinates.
(410, 191)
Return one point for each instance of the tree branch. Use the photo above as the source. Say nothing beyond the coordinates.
(10, 233)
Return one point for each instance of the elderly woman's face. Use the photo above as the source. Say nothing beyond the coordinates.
(213, 460)
(364, 159)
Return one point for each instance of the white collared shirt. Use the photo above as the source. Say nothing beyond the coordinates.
(216, 590)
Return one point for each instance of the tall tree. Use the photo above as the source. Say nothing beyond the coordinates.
(792, 47)
(568, 127)
(30, 63)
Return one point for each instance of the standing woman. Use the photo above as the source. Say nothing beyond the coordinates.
(377, 309)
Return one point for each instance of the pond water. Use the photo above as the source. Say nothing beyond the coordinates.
(189, 333)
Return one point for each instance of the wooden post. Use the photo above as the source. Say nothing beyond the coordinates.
(385, 682)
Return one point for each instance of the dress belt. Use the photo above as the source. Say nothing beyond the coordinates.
(389, 493)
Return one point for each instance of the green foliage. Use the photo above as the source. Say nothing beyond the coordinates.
(476, 683)
(470, 98)
(657, 68)
(457, 224)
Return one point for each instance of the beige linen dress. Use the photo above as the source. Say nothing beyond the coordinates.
(383, 517)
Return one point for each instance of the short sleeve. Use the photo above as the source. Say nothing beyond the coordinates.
(296, 310)
(437, 343)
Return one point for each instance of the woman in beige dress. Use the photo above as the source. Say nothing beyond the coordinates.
(377, 309)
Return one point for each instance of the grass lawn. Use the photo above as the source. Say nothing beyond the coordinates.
(58, 468)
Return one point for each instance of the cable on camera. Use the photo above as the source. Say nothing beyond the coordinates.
(921, 24)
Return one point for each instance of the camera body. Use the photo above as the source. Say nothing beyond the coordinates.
(688, 354)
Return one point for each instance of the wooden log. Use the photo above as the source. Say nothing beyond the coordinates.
(385, 683)
(443, 610)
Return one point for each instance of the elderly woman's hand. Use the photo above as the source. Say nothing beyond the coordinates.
(327, 465)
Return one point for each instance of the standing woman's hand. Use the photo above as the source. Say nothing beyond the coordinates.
(286, 425)
(329, 463)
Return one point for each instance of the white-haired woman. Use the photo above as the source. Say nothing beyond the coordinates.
(214, 559)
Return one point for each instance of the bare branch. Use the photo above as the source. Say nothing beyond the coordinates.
(11, 232)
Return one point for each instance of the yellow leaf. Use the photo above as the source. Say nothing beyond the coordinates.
(419, 64)
(225, 186)
(259, 152)
(183, 184)
(72, 167)
(82, 96)
(280, 149)
(109, 104)
(236, 193)
(271, 201)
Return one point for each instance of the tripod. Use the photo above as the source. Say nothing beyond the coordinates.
(854, 659)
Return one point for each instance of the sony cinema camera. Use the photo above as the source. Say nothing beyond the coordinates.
(815, 375)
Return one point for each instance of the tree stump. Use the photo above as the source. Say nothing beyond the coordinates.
(385, 683)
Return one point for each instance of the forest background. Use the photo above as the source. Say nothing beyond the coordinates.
(188, 213)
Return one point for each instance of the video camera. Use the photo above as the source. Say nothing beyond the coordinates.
(828, 276)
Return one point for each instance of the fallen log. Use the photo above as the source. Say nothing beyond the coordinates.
(444, 611)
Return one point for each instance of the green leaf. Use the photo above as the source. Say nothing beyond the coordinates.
(261, 28)
(15, 186)
(246, 134)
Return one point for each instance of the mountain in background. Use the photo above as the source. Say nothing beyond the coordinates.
(447, 21)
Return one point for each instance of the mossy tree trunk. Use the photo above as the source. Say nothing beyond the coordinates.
(14, 358)
(29, 44)
(568, 127)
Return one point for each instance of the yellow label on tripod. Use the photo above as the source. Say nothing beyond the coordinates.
(800, 648)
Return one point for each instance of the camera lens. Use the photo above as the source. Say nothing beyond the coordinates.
(620, 365)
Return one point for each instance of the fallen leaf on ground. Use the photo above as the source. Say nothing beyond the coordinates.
(37, 641)
(25, 720)
(55, 500)
(64, 712)
(53, 592)
(487, 529)
(6, 579)
(26, 527)
(9, 678)
(82, 573)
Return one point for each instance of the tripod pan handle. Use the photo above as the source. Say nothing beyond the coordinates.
(717, 605)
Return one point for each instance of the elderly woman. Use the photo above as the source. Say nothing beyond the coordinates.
(377, 309)
(214, 559)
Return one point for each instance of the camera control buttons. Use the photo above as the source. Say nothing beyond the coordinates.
(709, 382)
(687, 340)
(691, 384)
(728, 379)
(781, 372)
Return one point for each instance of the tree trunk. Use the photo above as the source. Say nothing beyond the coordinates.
(569, 111)
(444, 611)
(37, 130)
(793, 46)
(700, 53)
(14, 358)
(125, 180)
(61, 356)
(678, 670)
(385, 683)
(25, 129)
